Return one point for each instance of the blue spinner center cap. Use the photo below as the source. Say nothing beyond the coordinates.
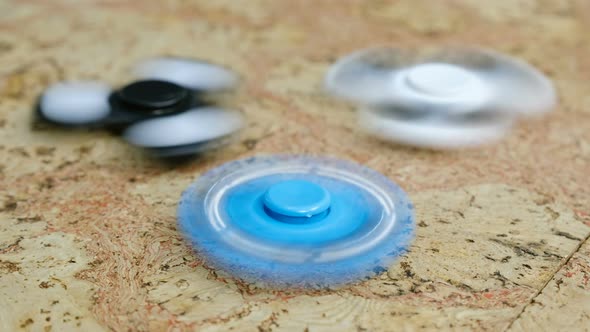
(297, 198)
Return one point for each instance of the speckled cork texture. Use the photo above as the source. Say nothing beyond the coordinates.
(88, 237)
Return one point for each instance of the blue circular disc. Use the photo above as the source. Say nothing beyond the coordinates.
(296, 221)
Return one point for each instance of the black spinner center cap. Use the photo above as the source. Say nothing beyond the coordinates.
(152, 94)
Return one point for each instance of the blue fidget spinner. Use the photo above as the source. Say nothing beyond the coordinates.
(164, 111)
(296, 221)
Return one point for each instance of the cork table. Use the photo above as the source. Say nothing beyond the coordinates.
(88, 236)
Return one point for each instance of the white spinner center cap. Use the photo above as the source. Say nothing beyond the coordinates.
(439, 79)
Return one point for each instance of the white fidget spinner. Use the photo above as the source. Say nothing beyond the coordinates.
(440, 98)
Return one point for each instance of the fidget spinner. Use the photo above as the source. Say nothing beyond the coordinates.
(164, 111)
(440, 98)
(296, 221)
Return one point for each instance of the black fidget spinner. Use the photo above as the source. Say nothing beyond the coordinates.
(163, 111)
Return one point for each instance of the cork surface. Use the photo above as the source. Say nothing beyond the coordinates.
(88, 237)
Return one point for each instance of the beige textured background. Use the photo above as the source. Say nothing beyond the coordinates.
(87, 223)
